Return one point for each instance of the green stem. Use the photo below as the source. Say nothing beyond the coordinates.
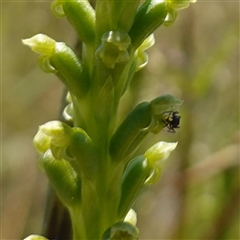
(78, 224)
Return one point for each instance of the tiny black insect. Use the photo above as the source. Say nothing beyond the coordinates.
(172, 121)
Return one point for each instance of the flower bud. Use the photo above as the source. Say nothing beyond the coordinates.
(80, 14)
(70, 70)
(136, 173)
(148, 18)
(113, 15)
(122, 13)
(53, 135)
(59, 132)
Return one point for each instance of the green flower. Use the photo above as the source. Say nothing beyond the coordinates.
(53, 135)
(57, 57)
(114, 48)
(156, 155)
(173, 7)
(159, 152)
(141, 55)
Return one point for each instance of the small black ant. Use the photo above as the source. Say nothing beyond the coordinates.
(172, 121)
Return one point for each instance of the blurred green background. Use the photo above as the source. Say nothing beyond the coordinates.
(196, 59)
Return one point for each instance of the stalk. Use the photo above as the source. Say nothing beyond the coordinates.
(91, 161)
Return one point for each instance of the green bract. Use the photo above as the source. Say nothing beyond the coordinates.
(89, 160)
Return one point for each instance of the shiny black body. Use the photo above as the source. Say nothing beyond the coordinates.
(172, 121)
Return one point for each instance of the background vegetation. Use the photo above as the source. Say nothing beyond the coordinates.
(197, 60)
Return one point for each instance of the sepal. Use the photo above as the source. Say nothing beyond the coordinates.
(41, 142)
(171, 17)
(140, 55)
(159, 152)
(173, 8)
(179, 4)
(41, 44)
(68, 112)
(155, 155)
(131, 217)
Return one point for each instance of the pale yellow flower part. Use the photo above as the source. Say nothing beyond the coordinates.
(180, 4)
(35, 237)
(41, 44)
(131, 217)
(159, 151)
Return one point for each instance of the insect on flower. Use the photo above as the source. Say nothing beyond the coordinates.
(172, 121)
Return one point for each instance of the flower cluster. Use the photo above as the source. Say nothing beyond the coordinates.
(89, 160)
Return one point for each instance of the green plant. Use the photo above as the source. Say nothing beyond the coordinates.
(89, 161)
